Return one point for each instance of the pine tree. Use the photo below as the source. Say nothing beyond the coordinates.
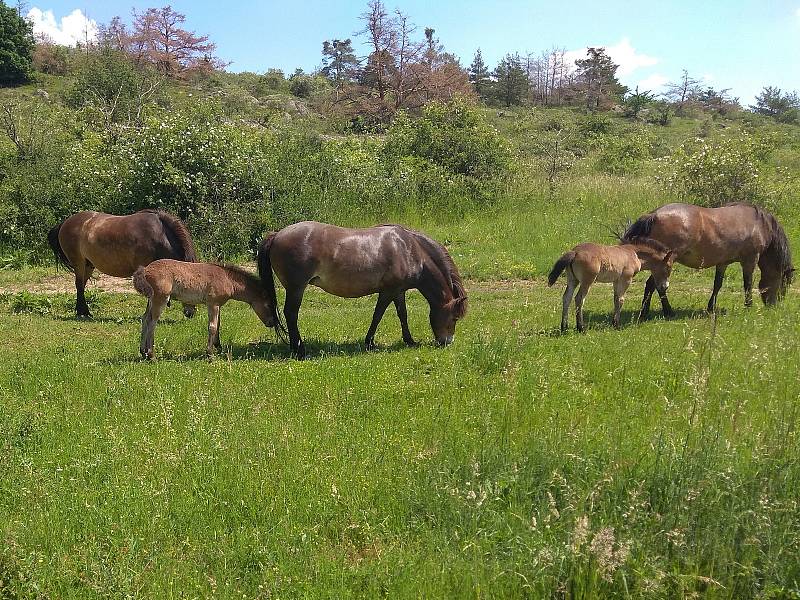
(339, 62)
(597, 74)
(511, 81)
(479, 76)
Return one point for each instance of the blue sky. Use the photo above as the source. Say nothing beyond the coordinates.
(738, 44)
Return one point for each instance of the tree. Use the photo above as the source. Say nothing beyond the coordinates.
(511, 80)
(479, 76)
(634, 102)
(772, 102)
(159, 39)
(380, 33)
(683, 91)
(717, 100)
(597, 76)
(16, 47)
(339, 63)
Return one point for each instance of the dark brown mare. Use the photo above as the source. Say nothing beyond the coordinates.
(717, 237)
(386, 260)
(118, 246)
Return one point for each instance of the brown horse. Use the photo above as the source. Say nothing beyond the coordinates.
(386, 260)
(198, 283)
(587, 263)
(118, 246)
(717, 237)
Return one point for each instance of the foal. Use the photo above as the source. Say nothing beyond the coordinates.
(198, 283)
(587, 263)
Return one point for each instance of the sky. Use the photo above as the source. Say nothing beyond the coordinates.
(738, 44)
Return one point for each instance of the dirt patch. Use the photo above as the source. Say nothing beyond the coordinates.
(64, 283)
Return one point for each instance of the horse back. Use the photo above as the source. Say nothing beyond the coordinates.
(705, 237)
(343, 261)
(116, 245)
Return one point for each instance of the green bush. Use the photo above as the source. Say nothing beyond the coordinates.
(453, 135)
(713, 173)
(625, 154)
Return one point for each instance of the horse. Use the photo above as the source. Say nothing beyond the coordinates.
(198, 283)
(387, 260)
(717, 237)
(587, 263)
(118, 245)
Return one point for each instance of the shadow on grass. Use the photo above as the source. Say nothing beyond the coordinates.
(628, 319)
(267, 351)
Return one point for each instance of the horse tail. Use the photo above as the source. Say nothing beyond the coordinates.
(558, 268)
(268, 281)
(180, 232)
(141, 285)
(778, 251)
(55, 244)
(641, 228)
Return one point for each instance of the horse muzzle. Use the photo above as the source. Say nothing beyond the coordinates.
(445, 341)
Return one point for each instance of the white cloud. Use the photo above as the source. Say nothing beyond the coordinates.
(622, 53)
(653, 83)
(74, 28)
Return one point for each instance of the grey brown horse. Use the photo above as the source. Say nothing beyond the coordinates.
(716, 237)
(118, 245)
(387, 260)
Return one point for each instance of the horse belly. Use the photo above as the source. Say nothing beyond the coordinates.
(348, 284)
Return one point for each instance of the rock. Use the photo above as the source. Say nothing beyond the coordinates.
(42, 94)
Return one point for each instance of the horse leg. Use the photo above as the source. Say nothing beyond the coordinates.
(81, 277)
(620, 287)
(719, 276)
(649, 288)
(566, 300)
(579, 298)
(155, 306)
(384, 300)
(213, 328)
(402, 314)
(291, 311)
(748, 267)
(665, 305)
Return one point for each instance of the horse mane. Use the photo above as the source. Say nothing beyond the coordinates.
(648, 242)
(441, 257)
(641, 228)
(239, 271)
(179, 230)
(778, 250)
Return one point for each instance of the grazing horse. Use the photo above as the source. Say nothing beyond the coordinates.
(717, 237)
(386, 260)
(198, 283)
(118, 246)
(587, 263)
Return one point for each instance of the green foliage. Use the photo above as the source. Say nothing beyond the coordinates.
(16, 47)
(625, 154)
(111, 87)
(454, 136)
(714, 172)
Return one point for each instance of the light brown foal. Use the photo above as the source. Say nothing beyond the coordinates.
(587, 263)
(198, 283)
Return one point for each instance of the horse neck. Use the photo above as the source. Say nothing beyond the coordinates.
(434, 285)
(244, 289)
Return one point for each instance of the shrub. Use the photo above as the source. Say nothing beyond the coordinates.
(625, 154)
(713, 173)
(453, 135)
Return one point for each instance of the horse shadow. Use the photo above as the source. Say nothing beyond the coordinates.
(114, 320)
(270, 351)
(629, 318)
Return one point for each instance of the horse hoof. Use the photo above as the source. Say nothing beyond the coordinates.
(411, 343)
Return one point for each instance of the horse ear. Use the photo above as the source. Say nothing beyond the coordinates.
(669, 257)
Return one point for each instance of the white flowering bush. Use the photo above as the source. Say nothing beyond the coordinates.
(715, 172)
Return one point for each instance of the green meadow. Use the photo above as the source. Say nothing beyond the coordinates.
(660, 460)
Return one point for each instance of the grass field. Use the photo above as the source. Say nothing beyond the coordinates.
(655, 461)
